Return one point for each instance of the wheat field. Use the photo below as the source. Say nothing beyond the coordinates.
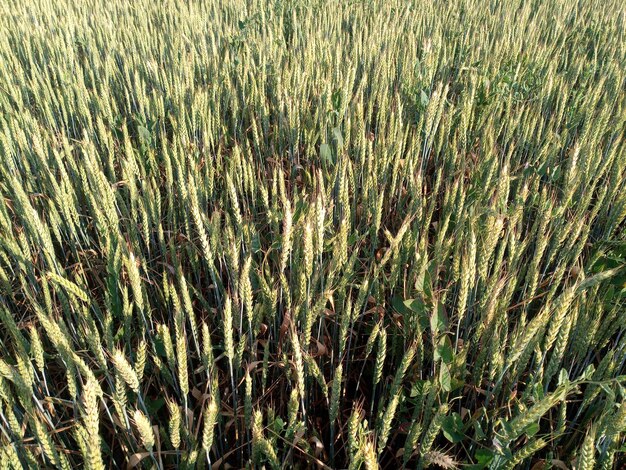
(313, 234)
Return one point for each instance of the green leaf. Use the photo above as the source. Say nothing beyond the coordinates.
(255, 243)
(418, 388)
(456, 384)
(607, 390)
(538, 391)
(506, 427)
(478, 431)
(444, 350)
(411, 306)
(144, 135)
(279, 424)
(483, 457)
(588, 373)
(325, 153)
(459, 363)
(452, 427)
(604, 263)
(415, 306)
(421, 280)
(336, 99)
(438, 321)
(620, 250)
(338, 137)
(532, 429)
(154, 405)
(399, 304)
(445, 379)
(159, 347)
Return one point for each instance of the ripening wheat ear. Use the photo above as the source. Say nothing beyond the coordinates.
(287, 235)
(431, 432)
(141, 358)
(245, 291)
(229, 347)
(181, 347)
(210, 420)
(368, 450)
(207, 352)
(586, 455)
(132, 269)
(91, 396)
(380, 355)
(261, 447)
(335, 393)
(247, 401)
(307, 248)
(395, 394)
(47, 445)
(37, 348)
(144, 428)
(125, 370)
(174, 425)
(440, 459)
(69, 286)
(299, 365)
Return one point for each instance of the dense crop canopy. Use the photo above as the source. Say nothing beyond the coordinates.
(334, 234)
